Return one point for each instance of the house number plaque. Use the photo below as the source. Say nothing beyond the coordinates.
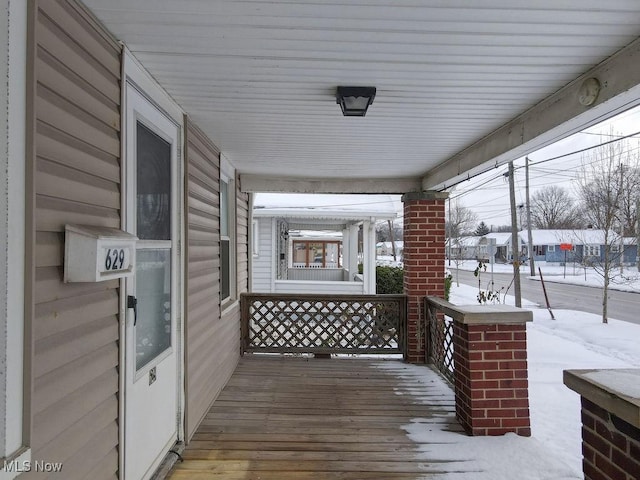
(96, 253)
(116, 258)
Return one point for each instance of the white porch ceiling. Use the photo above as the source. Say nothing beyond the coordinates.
(259, 76)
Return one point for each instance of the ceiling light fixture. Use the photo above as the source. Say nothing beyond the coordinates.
(354, 101)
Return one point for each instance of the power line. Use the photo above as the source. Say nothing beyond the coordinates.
(603, 134)
(586, 149)
(582, 150)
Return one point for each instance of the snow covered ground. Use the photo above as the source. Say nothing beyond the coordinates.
(628, 281)
(574, 340)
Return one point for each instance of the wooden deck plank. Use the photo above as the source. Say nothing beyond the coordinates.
(280, 475)
(299, 418)
(387, 456)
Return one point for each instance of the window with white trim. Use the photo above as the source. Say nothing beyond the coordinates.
(227, 237)
(551, 248)
(316, 254)
(592, 250)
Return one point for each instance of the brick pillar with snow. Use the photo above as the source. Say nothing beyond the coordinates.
(491, 377)
(423, 257)
(610, 421)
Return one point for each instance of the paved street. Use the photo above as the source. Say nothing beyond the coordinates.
(622, 305)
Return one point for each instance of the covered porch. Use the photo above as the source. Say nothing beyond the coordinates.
(287, 414)
(309, 243)
(244, 95)
(345, 418)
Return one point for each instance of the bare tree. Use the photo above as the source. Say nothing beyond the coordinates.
(553, 207)
(630, 194)
(459, 224)
(383, 233)
(460, 221)
(601, 188)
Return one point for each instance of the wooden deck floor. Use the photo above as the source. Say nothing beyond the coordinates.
(296, 418)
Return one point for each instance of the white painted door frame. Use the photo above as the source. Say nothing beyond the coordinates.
(137, 86)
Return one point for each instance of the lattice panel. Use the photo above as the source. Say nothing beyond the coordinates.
(323, 325)
(441, 343)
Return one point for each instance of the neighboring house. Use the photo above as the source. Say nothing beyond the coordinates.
(386, 248)
(316, 248)
(587, 246)
(463, 248)
(503, 253)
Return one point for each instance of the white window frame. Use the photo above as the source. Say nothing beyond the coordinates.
(134, 73)
(15, 388)
(592, 250)
(551, 248)
(227, 175)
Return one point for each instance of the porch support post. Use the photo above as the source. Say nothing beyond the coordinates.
(346, 255)
(423, 262)
(369, 257)
(353, 251)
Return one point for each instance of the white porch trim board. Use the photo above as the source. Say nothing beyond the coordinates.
(319, 287)
(13, 50)
(369, 261)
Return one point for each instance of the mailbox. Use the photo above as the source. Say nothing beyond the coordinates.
(96, 254)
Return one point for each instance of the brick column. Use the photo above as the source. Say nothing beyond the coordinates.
(423, 254)
(610, 422)
(491, 382)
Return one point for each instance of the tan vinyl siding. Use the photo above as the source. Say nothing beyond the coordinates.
(212, 344)
(76, 179)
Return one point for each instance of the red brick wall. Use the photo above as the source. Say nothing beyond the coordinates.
(423, 265)
(491, 382)
(611, 452)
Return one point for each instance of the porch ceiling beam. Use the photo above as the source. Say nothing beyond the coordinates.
(251, 183)
(554, 118)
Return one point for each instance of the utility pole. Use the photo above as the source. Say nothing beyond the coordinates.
(529, 236)
(393, 240)
(621, 246)
(515, 244)
(449, 233)
(638, 232)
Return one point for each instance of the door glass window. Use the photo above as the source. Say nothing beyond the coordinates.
(153, 186)
(153, 259)
(153, 289)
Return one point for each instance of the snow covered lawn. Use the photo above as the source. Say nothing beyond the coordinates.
(575, 340)
(628, 281)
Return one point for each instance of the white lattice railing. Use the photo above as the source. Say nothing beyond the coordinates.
(439, 339)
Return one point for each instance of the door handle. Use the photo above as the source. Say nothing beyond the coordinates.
(132, 302)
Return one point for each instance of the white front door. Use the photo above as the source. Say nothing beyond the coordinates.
(151, 388)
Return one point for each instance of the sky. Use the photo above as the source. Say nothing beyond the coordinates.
(487, 195)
